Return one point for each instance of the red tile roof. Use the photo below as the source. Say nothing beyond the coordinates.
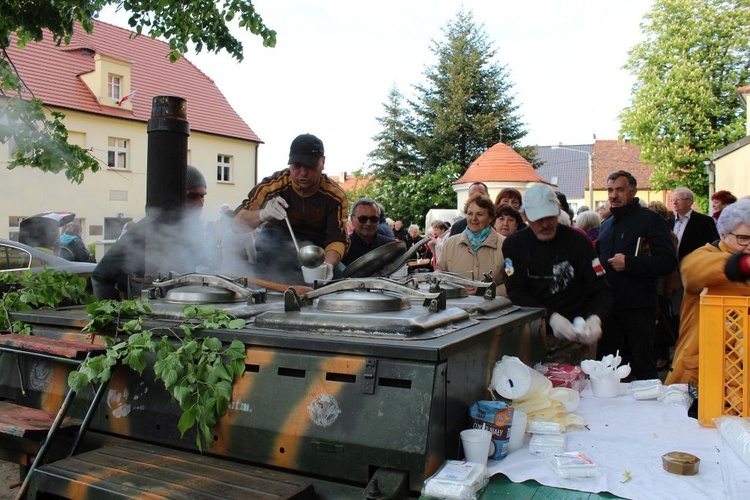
(349, 182)
(613, 155)
(500, 163)
(53, 75)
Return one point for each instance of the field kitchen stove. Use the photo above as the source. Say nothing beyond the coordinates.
(361, 378)
(355, 389)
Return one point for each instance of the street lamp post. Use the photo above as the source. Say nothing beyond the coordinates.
(591, 172)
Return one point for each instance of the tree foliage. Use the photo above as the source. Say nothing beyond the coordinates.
(41, 141)
(684, 104)
(464, 107)
(414, 194)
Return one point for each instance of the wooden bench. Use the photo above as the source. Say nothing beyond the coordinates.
(36, 428)
(138, 470)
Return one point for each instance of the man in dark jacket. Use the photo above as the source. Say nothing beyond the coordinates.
(553, 266)
(635, 247)
(114, 273)
(693, 229)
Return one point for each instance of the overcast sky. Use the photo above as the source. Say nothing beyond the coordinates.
(336, 60)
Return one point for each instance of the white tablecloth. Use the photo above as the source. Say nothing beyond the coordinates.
(627, 434)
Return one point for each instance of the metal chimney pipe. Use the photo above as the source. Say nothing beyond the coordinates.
(168, 131)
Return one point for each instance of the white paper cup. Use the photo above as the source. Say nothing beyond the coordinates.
(605, 387)
(314, 273)
(476, 444)
(517, 430)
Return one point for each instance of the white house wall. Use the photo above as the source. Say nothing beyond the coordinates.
(28, 191)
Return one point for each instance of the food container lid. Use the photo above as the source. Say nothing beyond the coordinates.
(681, 463)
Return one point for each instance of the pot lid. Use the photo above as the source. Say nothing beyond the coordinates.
(363, 302)
(200, 294)
(375, 260)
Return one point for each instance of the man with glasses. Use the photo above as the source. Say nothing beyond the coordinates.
(635, 246)
(365, 237)
(693, 229)
(315, 205)
(554, 266)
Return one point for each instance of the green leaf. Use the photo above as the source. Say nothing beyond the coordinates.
(187, 421)
(77, 380)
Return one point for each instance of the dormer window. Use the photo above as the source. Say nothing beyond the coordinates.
(114, 87)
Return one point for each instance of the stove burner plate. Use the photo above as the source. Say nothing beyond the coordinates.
(417, 322)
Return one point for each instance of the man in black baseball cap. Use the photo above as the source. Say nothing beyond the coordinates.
(316, 206)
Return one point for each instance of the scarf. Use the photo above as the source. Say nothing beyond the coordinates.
(476, 240)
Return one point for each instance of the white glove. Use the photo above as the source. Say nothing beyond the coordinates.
(274, 209)
(562, 328)
(329, 271)
(593, 330)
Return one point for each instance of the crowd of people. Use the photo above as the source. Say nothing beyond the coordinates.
(624, 277)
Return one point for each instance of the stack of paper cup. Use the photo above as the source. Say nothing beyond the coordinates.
(512, 379)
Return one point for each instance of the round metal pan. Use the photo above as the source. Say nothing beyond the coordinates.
(373, 261)
(395, 265)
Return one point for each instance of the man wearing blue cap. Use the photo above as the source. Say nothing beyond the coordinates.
(553, 266)
(316, 206)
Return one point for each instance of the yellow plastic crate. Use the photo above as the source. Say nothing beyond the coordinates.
(723, 356)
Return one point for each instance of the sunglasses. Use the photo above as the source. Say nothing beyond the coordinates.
(363, 218)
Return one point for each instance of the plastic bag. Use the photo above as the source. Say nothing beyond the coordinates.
(646, 389)
(496, 417)
(736, 432)
(572, 464)
(456, 480)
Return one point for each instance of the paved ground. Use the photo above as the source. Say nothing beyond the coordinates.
(8, 476)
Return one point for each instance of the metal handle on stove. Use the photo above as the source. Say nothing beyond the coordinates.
(446, 277)
(353, 284)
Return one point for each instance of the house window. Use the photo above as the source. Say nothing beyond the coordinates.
(14, 225)
(224, 168)
(117, 153)
(114, 87)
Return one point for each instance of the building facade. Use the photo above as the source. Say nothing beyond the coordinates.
(104, 83)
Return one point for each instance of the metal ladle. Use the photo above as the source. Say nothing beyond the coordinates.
(309, 255)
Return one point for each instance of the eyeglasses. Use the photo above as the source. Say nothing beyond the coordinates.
(742, 239)
(680, 199)
(363, 218)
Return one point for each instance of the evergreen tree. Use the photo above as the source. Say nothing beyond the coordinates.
(684, 103)
(466, 105)
(395, 155)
